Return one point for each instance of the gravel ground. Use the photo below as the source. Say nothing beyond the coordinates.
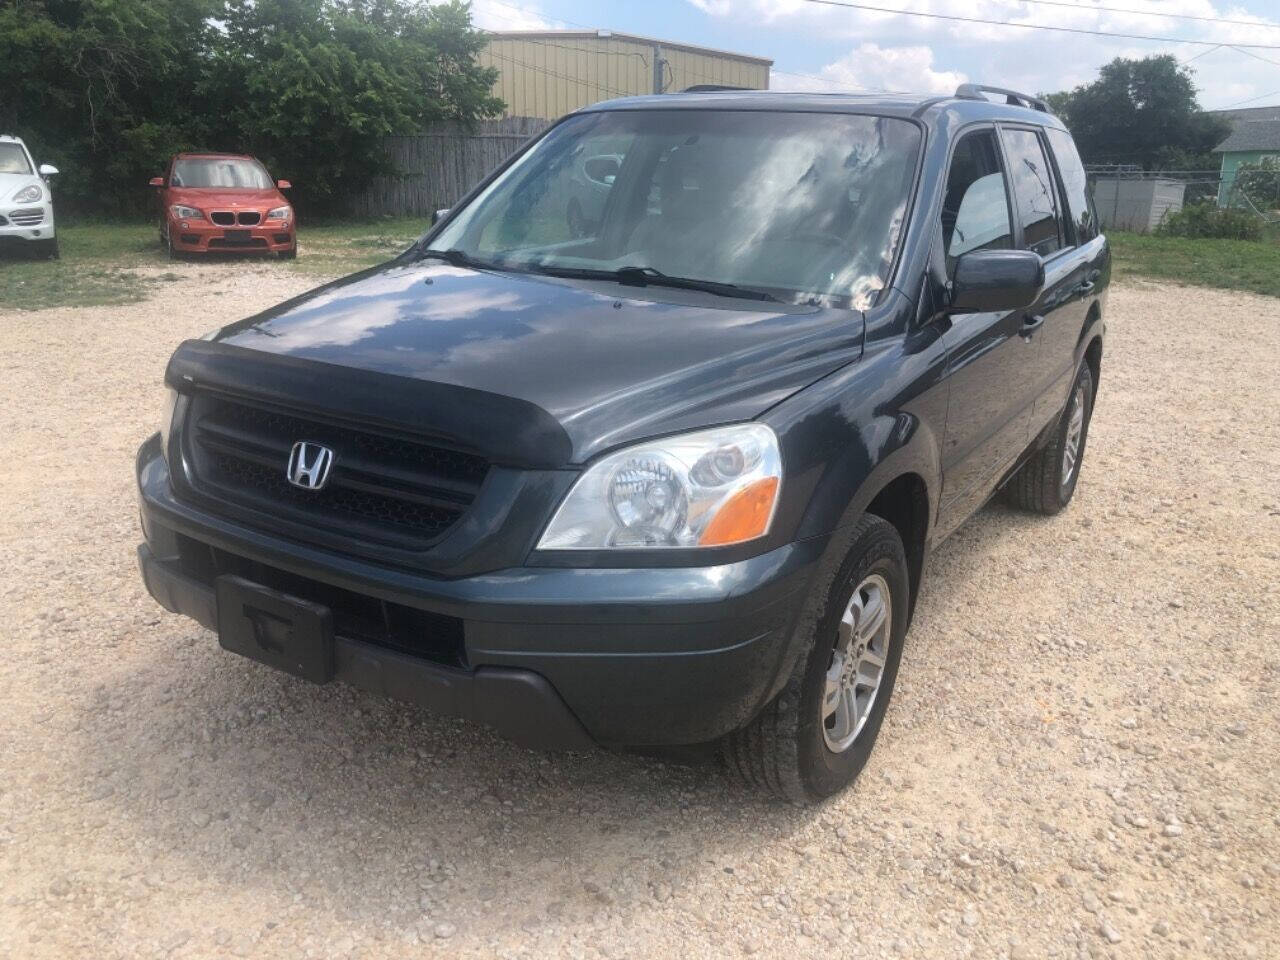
(1081, 759)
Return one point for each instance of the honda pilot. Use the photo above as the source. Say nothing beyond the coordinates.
(663, 471)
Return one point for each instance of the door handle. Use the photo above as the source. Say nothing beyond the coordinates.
(1086, 286)
(1030, 325)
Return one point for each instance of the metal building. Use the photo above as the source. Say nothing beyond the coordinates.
(550, 73)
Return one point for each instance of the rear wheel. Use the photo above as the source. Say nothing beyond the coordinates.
(814, 739)
(1047, 482)
(291, 253)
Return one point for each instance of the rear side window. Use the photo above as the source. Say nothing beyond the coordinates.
(1075, 184)
(1033, 191)
(975, 210)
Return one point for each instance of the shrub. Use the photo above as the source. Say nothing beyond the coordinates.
(1207, 220)
(1258, 184)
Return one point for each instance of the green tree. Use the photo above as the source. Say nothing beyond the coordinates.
(311, 86)
(108, 89)
(1143, 112)
(1257, 185)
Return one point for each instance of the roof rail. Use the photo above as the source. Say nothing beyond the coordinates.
(711, 88)
(976, 91)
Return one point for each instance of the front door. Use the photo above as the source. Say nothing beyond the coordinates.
(989, 355)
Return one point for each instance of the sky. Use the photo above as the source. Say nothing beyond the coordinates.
(820, 47)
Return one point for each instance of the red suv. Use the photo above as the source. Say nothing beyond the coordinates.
(224, 202)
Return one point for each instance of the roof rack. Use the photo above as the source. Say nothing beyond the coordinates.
(711, 88)
(976, 91)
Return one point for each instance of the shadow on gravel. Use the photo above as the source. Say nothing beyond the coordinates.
(393, 817)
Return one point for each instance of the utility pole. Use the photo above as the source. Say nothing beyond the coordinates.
(657, 68)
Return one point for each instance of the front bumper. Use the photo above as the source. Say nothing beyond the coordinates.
(28, 221)
(204, 236)
(550, 657)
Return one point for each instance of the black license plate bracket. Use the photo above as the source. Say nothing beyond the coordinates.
(274, 628)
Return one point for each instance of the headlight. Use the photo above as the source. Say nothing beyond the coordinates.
(166, 419)
(704, 489)
(280, 213)
(29, 194)
(186, 213)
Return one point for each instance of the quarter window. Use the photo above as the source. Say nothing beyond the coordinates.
(1034, 192)
(975, 210)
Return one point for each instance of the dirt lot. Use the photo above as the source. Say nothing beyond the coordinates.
(1082, 758)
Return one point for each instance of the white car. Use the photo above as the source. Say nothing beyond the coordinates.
(26, 199)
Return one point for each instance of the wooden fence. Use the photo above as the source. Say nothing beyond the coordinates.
(437, 167)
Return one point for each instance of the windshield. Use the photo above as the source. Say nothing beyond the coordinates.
(13, 159)
(222, 172)
(804, 206)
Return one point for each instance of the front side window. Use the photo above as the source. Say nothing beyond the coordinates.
(975, 209)
(807, 207)
(13, 159)
(222, 173)
(1075, 184)
(1033, 190)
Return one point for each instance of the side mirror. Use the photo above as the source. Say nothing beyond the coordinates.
(440, 215)
(48, 170)
(990, 281)
(156, 182)
(283, 184)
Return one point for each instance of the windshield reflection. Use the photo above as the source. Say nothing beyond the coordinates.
(805, 207)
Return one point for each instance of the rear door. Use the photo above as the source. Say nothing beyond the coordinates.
(989, 362)
(1057, 317)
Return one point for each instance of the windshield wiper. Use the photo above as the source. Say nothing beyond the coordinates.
(649, 277)
(458, 258)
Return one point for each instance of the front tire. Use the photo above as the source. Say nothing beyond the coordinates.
(814, 739)
(1047, 482)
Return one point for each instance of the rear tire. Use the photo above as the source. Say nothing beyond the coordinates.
(1047, 482)
(814, 739)
(291, 253)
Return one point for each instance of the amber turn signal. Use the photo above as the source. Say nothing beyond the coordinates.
(744, 516)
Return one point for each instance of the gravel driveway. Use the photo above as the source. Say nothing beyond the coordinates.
(1081, 760)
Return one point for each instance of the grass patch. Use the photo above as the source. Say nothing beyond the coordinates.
(101, 262)
(1252, 265)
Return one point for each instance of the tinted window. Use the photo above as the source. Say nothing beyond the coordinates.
(803, 206)
(1075, 184)
(975, 210)
(13, 159)
(1034, 192)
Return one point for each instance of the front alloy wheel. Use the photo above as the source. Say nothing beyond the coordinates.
(815, 737)
(857, 663)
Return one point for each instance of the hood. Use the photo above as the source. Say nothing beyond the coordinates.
(604, 366)
(11, 183)
(224, 197)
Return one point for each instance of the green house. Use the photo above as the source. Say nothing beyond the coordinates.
(1249, 142)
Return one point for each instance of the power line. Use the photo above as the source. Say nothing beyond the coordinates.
(1264, 96)
(1151, 13)
(1254, 55)
(1032, 26)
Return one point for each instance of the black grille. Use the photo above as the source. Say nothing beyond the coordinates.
(431, 636)
(237, 243)
(382, 488)
(223, 219)
(249, 218)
